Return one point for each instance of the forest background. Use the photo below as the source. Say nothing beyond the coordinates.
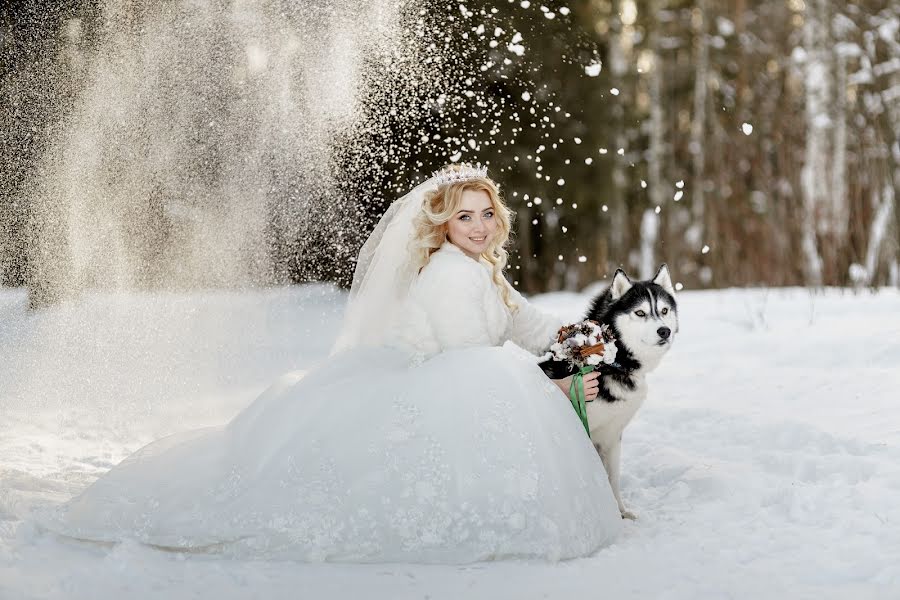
(745, 143)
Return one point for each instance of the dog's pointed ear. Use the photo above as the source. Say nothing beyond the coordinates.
(663, 279)
(620, 284)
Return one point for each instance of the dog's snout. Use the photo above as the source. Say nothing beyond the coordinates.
(664, 332)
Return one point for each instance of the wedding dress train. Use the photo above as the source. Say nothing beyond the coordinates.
(445, 445)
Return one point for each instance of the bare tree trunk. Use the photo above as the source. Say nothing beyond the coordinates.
(894, 181)
(881, 222)
(887, 206)
(618, 210)
(814, 176)
(649, 235)
(649, 222)
(698, 123)
(840, 209)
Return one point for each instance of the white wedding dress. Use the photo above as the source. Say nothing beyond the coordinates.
(446, 445)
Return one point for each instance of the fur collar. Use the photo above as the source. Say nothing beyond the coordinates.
(452, 249)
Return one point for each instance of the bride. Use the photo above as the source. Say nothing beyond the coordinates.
(422, 438)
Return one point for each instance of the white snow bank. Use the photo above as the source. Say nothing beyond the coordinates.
(766, 462)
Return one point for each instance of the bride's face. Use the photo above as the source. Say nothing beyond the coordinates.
(474, 225)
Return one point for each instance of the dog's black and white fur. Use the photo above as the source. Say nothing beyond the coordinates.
(643, 317)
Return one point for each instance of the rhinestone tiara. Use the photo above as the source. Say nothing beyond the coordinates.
(457, 174)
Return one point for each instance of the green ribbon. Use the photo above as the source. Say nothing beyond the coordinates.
(576, 396)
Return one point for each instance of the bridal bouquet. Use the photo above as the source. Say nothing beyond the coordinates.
(586, 343)
(584, 346)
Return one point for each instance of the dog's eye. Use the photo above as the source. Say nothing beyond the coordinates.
(665, 311)
(640, 313)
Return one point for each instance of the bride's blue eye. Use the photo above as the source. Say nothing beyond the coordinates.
(464, 217)
(489, 214)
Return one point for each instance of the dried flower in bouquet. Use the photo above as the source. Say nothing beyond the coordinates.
(587, 343)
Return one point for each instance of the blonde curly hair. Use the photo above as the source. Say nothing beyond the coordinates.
(430, 227)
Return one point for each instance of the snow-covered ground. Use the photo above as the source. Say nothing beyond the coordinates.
(766, 462)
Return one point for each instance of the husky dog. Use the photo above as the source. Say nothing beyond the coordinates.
(643, 317)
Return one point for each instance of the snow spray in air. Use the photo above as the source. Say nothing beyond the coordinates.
(197, 141)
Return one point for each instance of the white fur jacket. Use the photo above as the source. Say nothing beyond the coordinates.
(455, 304)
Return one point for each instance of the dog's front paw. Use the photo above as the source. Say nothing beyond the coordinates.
(627, 514)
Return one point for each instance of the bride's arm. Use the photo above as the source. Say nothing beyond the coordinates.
(532, 328)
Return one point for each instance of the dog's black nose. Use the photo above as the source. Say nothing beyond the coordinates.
(664, 332)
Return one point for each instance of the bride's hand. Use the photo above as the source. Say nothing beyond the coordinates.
(591, 385)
